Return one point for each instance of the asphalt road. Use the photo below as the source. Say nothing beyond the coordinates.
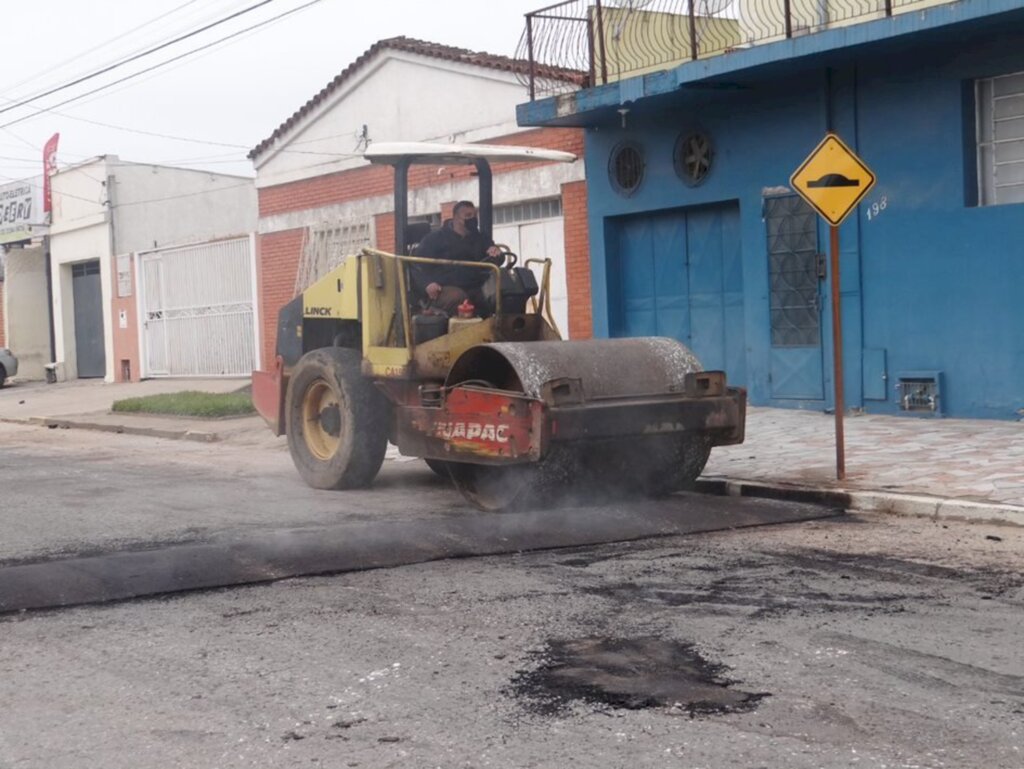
(845, 642)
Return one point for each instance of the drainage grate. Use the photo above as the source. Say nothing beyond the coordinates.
(919, 391)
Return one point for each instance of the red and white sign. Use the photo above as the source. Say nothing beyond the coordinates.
(49, 168)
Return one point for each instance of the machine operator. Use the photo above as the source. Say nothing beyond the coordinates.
(447, 286)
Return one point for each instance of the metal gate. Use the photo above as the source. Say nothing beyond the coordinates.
(89, 345)
(680, 274)
(197, 310)
(795, 299)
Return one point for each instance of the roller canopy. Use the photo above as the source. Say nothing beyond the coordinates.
(390, 153)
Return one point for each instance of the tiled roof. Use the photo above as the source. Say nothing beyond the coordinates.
(424, 48)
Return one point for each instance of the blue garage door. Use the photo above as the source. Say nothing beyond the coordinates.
(680, 274)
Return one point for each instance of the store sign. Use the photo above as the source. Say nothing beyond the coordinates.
(21, 206)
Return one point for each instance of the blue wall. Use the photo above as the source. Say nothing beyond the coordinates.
(932, 283)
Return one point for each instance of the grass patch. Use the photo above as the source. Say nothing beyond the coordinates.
(189, 403)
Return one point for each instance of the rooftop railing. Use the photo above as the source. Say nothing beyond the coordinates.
(615, 39)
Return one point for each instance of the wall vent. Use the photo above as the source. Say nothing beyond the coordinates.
(920, 392)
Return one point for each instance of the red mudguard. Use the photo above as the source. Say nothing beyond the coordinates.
(268, 389)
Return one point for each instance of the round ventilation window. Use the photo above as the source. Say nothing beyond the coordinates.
(693, 156)
(626, 168)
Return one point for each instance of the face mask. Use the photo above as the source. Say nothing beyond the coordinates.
(471, 224)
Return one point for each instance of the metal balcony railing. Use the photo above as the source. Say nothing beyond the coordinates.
(615, 39)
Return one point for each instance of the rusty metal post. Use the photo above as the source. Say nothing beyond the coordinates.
(529, 48)
(604, 50)
(787, 10)
(693, 32)
(837, 353)
(592, 74)
(888, 7)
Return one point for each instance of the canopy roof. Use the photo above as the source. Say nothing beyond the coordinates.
(390, 153)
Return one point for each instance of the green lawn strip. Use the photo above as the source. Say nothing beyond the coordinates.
(189, 403)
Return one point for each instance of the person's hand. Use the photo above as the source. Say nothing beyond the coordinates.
(433, 291)
(495, 256)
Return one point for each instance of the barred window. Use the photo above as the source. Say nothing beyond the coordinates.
(327, 245)
(1000, 115)
(527, 212)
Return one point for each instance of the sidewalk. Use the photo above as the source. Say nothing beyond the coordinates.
(917, 466)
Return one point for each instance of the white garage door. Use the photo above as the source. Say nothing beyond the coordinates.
(196, 306)
(538, 238)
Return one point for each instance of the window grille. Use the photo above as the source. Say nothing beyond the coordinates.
(792, 229)
(326, 246)
(528, 212)
(626, 168)
(434, 220)
(920, 391)
(1000, 116)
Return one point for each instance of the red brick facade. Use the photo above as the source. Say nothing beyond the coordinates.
(277, 260)
(278, 253)
(577, 259)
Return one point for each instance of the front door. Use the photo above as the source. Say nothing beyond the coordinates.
(680, 274)
(795, 299)
(88, 299)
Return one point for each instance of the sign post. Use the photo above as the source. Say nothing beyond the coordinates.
(833, 180)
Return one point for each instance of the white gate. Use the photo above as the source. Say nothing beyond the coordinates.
(197, 310)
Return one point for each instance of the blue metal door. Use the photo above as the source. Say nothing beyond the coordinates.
(680, 274)
(795, 299)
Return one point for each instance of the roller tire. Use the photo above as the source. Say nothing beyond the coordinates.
(681, 461)
(342, 447)
(3, 376)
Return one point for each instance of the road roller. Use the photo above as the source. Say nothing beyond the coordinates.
(503, 406)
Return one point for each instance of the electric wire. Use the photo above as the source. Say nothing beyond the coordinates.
(81, 54)
(132, 58)
(162, 64)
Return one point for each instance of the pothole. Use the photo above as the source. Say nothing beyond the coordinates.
(628, 673)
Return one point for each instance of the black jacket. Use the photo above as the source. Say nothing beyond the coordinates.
(445, 243)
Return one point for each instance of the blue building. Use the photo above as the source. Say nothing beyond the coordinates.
(695, 233)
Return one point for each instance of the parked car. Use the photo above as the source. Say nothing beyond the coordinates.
(8, 365)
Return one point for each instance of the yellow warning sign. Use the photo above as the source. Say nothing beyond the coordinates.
(833, 179)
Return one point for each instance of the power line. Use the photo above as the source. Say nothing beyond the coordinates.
(97, 47)
(132, 58)
(165, 63)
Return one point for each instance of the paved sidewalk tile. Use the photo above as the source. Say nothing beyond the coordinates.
(970, 460)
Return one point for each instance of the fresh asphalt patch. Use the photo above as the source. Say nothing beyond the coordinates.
(283, 553)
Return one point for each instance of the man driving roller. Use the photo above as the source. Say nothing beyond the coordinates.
(447, 286)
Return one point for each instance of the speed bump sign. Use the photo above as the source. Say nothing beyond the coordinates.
(833, 180)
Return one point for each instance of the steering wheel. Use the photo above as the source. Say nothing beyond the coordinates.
(509, 259)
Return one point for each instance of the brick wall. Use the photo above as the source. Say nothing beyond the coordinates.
(577, 259)
(373, 181)
(384, 226)
(277, 264)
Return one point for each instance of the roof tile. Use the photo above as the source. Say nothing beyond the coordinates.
(423, 48)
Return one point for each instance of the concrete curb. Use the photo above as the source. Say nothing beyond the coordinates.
(152, 432)
(918, 505)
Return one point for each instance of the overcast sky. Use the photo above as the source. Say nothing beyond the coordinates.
(235, 93)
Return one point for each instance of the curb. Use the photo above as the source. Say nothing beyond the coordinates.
(152, 432)
(917, 505)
